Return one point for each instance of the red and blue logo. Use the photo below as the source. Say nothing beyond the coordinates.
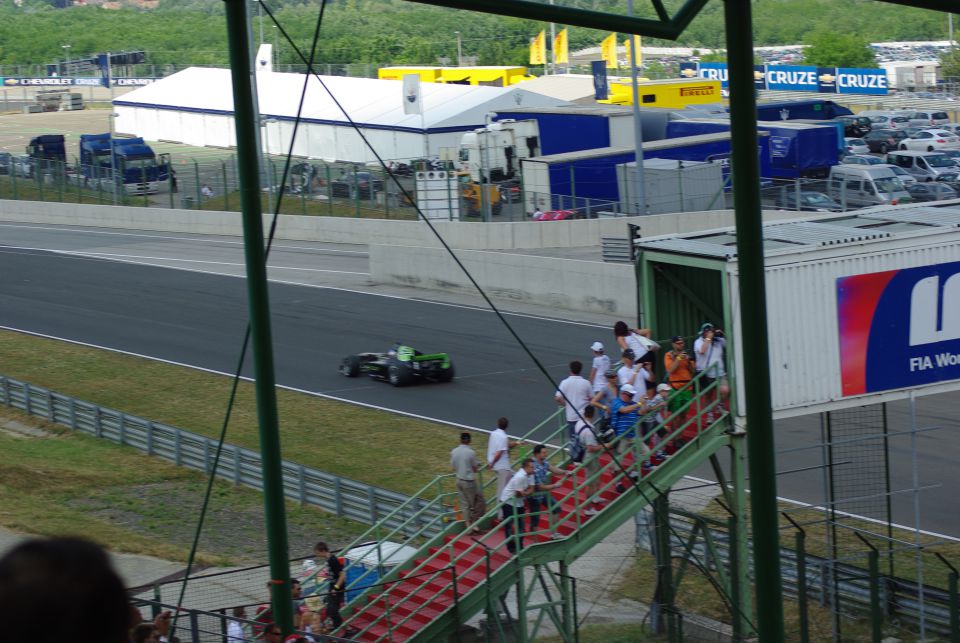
(899, 328)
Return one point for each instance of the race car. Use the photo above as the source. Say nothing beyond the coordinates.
(400, 366)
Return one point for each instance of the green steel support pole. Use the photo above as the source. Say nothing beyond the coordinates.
(742, 599)
(568, 625)
(876, 611)
(248, 154)
(954, 609)
(753, 311)
(803, 612)
(661, 508)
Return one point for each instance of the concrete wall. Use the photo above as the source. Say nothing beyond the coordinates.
(564, 284)
(470, 236)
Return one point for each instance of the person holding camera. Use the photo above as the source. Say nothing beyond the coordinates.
(709, 349)
(680, 372)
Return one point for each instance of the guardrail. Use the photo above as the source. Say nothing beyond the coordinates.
(340, 496)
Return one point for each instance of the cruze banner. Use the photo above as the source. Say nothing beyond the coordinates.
(899, 328)
(842, 80)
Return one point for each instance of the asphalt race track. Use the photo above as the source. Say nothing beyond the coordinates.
(115, 289)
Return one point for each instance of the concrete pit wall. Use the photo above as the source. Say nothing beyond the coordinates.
(562, 284)
(469, 236)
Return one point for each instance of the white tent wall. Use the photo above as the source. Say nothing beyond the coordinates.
(194, 106)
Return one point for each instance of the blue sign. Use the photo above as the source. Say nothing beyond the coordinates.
(861, 81)
(791, 77)
(899, 328)
(714, 71)
(81, 81)
(827, 80)
(601, 90)
(760, 77)
(779, 146)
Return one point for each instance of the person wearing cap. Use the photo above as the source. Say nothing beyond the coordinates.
(709, 349)
(601, 364)
(680, 372)
(463, 461)
(573, 393)
(603, 398)
(624, 413)
(634, 373)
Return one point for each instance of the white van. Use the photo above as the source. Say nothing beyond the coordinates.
(860, 186)
(925, 166)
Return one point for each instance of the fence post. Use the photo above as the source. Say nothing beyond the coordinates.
(876, 614)
(801, 554)
(122, 429)
(329, 190)
(196, 185)
(337, 497)
(50, 413)
(97, 422)
(302, 483)
(149, 437)
(226, 192)
(954, 599)
(356, 189)
(26, 398)
(177, 454)
(386, 192)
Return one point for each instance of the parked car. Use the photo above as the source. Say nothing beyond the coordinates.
(929, 140)
(856, 145)
(928, 118)
(905, 177)
(862, 186)
(809, 201)
(925, 166)
(360, 185)
(890, 121)
(884, 140)
(953, 154)
(510, 191)
(861, 159)
(6, 162)
(932, 191)
(950, 178)
(953, 128)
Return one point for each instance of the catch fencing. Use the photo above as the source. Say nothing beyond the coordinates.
(340, 496)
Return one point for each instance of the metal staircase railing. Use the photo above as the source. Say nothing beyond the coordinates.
(425, 599)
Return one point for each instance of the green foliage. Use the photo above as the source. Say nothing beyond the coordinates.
(835, 49)
(950, 63)
(186, 32)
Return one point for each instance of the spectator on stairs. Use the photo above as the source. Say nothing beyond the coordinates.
(518, 488)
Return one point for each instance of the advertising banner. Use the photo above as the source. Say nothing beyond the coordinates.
(73, 82)
(861, 81)
(899, 328)
(792, 78)
(827, 80)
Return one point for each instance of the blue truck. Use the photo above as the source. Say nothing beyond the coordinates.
(794, 109)
(794, 149)
(141, 170)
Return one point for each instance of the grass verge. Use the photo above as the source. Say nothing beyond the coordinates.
(376, 447)
(66, 483)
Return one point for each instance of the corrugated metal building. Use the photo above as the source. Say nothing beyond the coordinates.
(195, 107)
(862, 307)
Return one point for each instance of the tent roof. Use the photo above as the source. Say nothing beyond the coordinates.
(369, 102)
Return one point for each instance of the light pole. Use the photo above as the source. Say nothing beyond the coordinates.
(459, 50)
(66, 58)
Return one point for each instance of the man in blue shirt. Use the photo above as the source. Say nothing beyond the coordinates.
(624, 413)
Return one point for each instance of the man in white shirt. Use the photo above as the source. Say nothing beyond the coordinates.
(601, 364)
(235, 633)
(634, 374)
(519, 487)
(574, 393)
(498, 454)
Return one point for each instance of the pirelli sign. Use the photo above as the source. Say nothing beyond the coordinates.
(699, 90)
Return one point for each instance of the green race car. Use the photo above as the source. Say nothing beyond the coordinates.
(400, 366)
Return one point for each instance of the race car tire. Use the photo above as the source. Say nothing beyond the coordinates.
(447, 374)
(350, 366)
(399, 375)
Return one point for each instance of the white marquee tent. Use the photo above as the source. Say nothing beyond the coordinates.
(195, 107)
